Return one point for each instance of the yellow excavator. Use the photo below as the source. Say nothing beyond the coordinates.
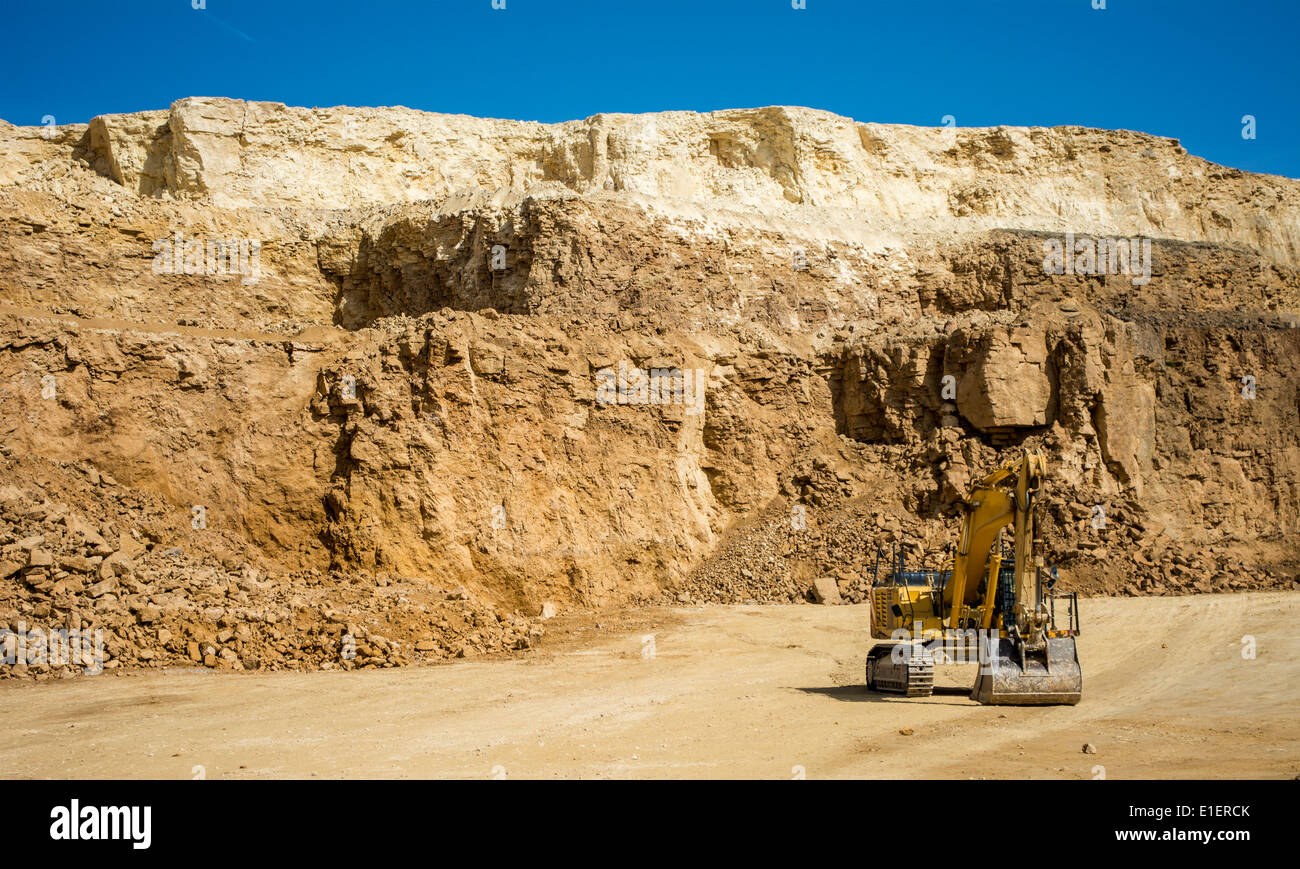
(992, 602)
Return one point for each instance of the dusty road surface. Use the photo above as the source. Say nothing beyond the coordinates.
(750, 692)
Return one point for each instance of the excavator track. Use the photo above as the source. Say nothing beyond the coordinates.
(913, 676)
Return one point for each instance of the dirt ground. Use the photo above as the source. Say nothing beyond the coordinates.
(735, 692)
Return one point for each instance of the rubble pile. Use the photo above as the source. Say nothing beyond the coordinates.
(163, 598)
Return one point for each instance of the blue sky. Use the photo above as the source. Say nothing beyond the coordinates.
(1189, 69)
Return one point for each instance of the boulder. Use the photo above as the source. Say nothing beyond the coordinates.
(825, 590)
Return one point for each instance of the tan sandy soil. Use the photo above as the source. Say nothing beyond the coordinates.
(751, 692)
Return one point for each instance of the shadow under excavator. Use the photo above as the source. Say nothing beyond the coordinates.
(860, 694)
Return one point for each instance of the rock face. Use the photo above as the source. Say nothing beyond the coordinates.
(721, 356)
(1004, 378)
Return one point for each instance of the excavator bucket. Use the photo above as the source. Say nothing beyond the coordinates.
(1012, 677)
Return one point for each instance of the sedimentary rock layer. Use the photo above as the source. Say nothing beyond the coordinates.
(370, 343)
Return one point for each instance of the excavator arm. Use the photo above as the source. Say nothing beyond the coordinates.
(1005, 497)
